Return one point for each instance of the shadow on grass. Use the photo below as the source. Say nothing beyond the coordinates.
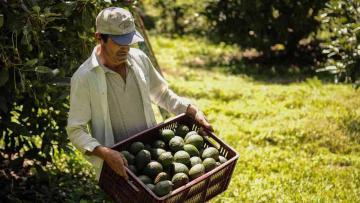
(352, 126)
(278, 71)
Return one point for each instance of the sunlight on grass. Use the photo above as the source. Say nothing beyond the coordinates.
(297, 142)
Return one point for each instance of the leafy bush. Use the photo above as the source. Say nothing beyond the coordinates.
(41, 43)
(341, 21)
(274, 28)
(68, 179)
(177, 16)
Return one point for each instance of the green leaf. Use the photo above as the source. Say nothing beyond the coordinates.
(55, 72)
(61, 82)
(36, 9)
(43, 69)
(31, 62)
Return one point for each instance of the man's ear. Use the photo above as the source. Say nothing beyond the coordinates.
(97, 37)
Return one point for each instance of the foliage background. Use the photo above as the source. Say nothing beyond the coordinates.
(297, 135)
(41, 42)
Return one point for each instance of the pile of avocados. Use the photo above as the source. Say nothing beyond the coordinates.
(172, 160)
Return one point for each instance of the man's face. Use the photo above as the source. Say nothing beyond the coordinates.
(115, 52)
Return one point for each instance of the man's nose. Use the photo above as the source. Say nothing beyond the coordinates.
(124, 48)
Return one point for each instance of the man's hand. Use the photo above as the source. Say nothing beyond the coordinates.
(113, 158)
(199, 116)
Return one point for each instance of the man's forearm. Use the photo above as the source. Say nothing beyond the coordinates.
(99, 151)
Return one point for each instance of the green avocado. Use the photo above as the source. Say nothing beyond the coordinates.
(166, 159)
(129, 157)
(152, 169)
(195, 140)
(176, 144)
(182, 130)
(195, 160)
(145, 179)
(179, 180)
(143, 157)
(132, 168)
(163, 188)
(196, 171)
(151, 186)
(210, 152)
(189, 134)
(191, 150)
(161, 177)
(156, 152)
(209, 164)
(136, 147)
(159, 144)
(166, 135)
(182, 157)
(222, 159)
(179, 168)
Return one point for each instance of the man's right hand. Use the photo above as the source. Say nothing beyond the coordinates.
(113, 158)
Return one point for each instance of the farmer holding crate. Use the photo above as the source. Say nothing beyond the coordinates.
(112, 91)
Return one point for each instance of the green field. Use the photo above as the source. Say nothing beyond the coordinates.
(298, 142)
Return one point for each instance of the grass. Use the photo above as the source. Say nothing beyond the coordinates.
(298, 142)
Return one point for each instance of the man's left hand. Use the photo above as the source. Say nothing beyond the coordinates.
(199, 117)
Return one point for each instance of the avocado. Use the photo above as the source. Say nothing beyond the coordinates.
(191, 150)
(155, 153)
(159, 144)
(163, 188)
(210, 152)
(132, 168)
(145, 179)
(196, 171)
(195, 140)
(182, 130)
(182, 157)
(166, 135)
(161, 177)
(209, 164)
(129, 157)
(189, 134)
(195, 160)
(222, 159)
(179, 168)
(179, 180)
(151, 186)
(148, 147)
(152, 169)
(143, 157)
(166, 159)
(136, 147)
(176, 143)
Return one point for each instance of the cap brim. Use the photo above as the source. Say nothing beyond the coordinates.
(127, 39)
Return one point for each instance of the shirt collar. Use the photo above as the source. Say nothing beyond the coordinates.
(95, 62)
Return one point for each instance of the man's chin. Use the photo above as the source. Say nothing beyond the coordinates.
(119, 62)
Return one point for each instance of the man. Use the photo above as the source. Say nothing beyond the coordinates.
(112, 91)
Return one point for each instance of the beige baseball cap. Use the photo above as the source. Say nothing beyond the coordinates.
(119, 24)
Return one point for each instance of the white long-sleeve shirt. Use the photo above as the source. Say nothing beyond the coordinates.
(90, 120)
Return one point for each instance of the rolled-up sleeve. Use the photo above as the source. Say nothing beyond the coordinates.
(162, 95)
(80, 116)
